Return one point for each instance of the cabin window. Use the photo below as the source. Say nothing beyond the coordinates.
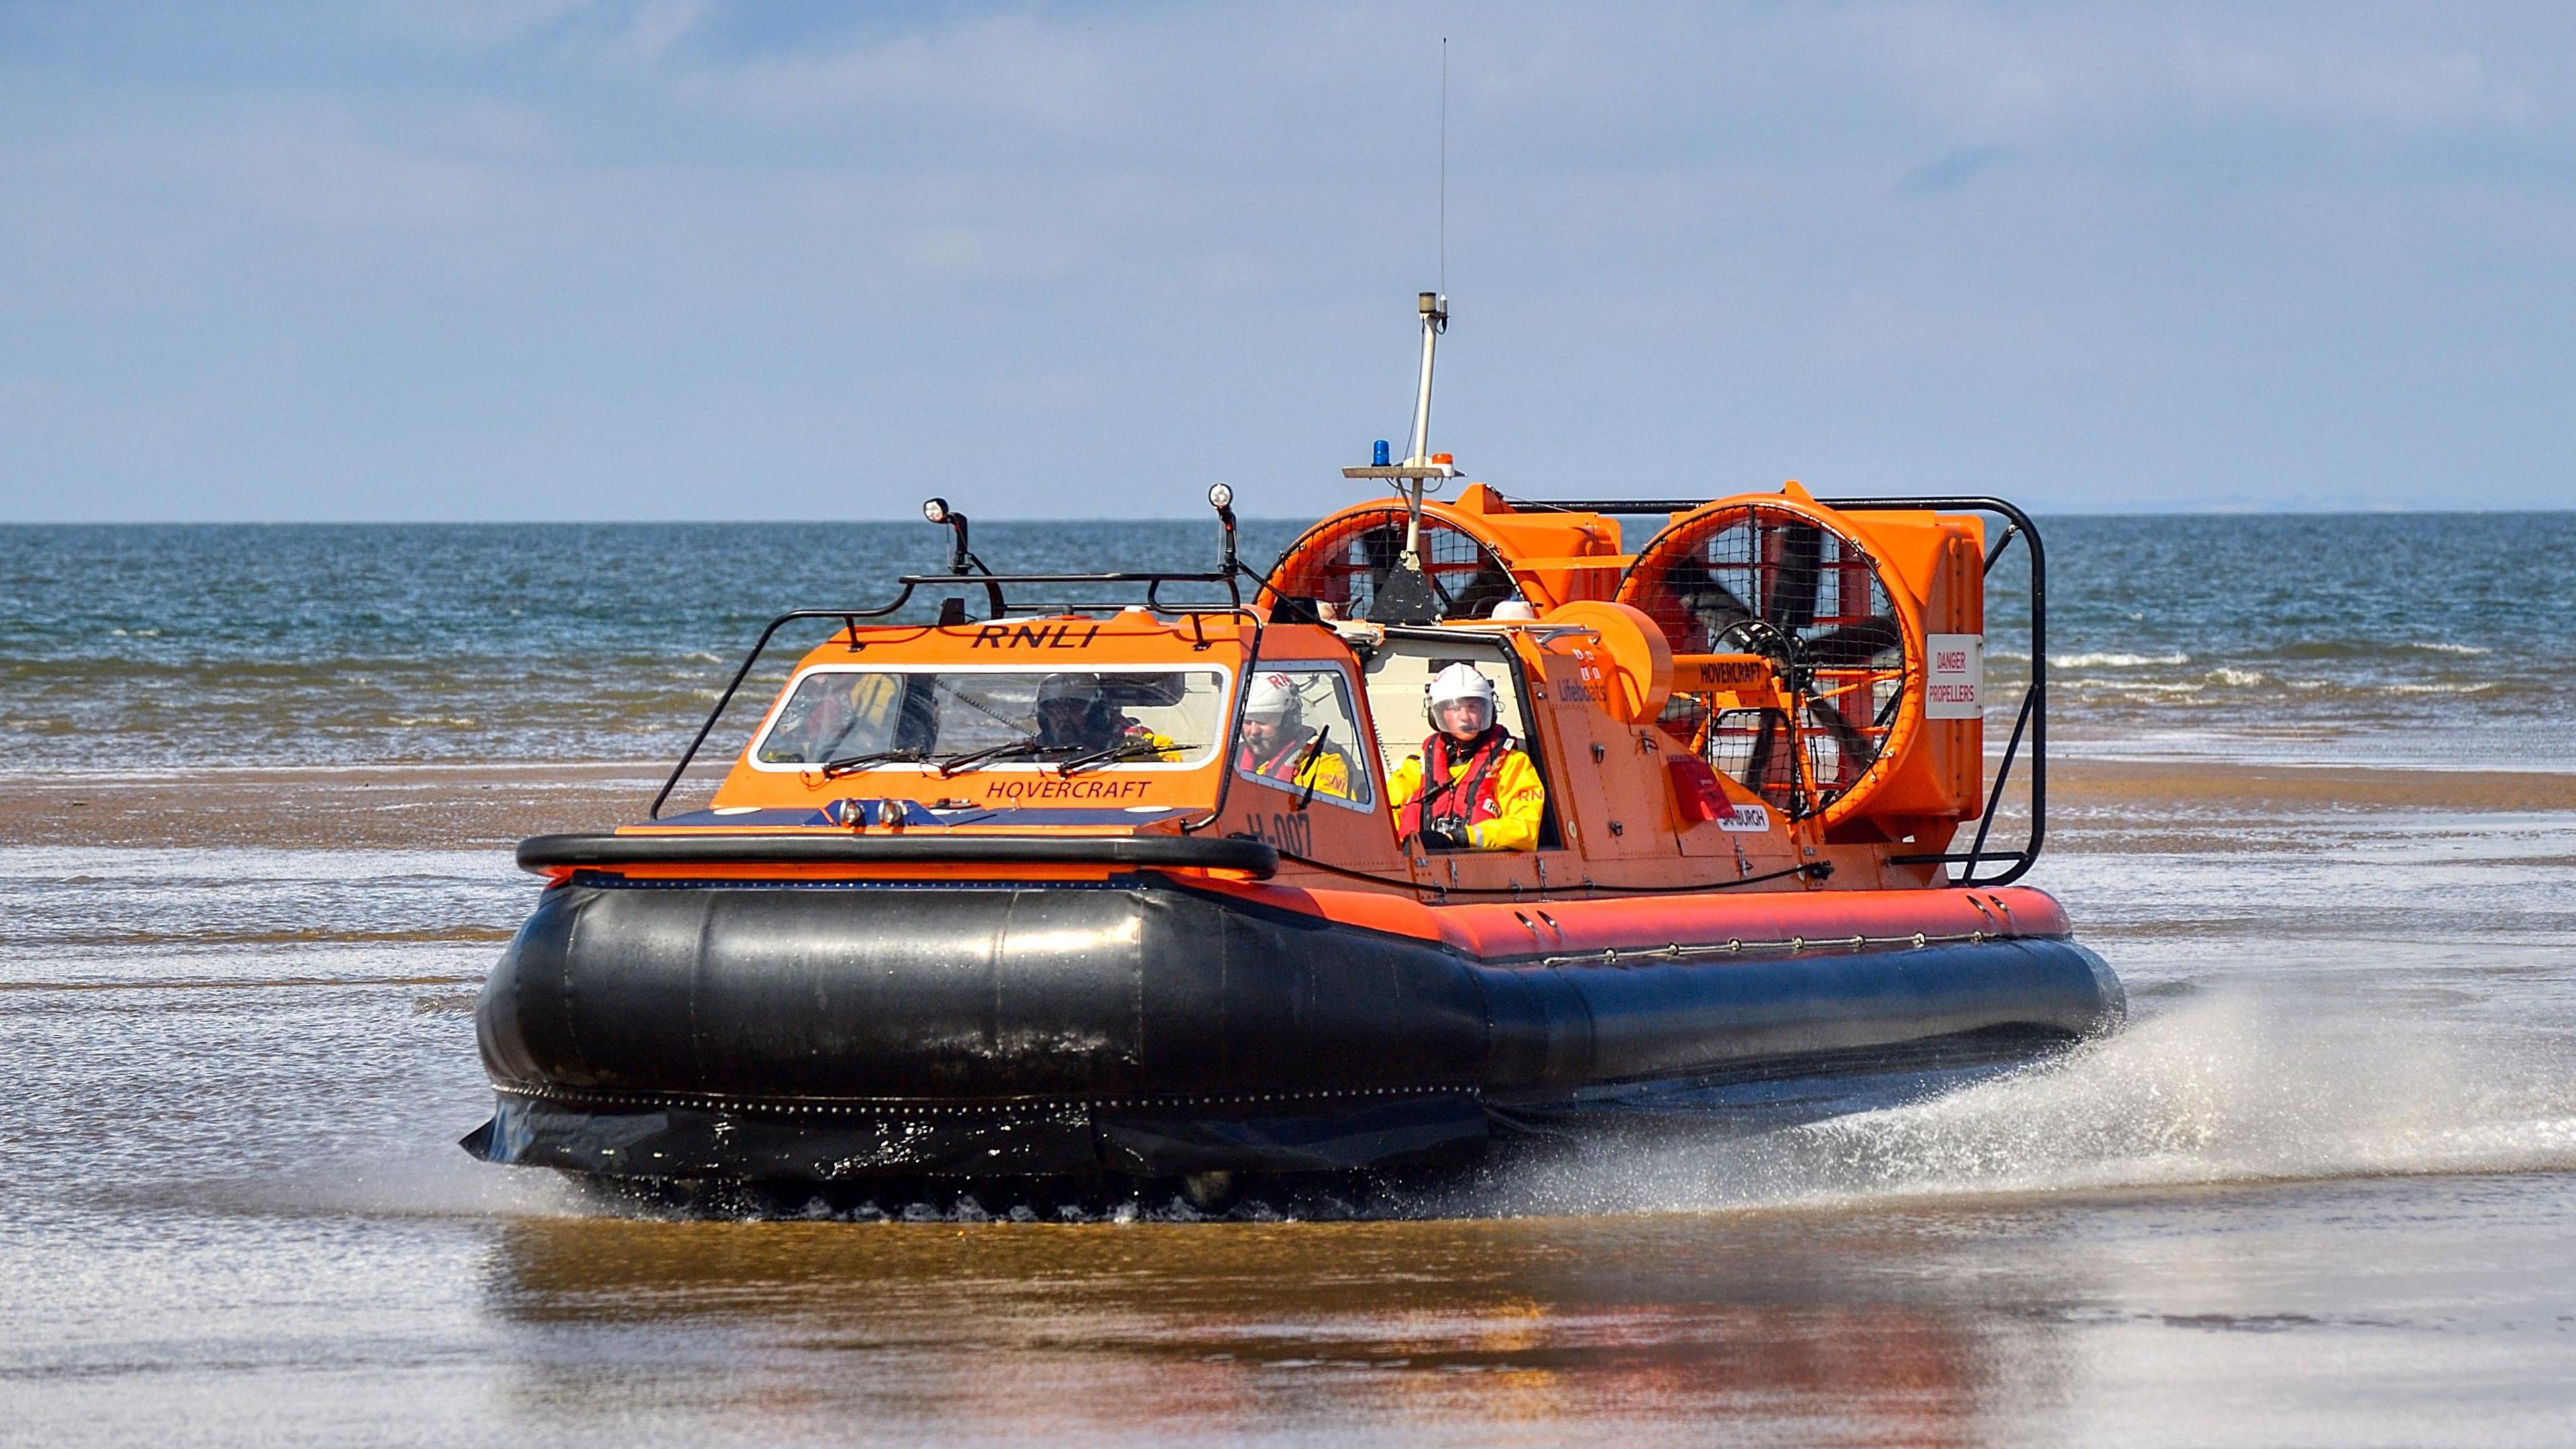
(1138, 719)
(1399, 676)
(1313, 741)
(1399, 679)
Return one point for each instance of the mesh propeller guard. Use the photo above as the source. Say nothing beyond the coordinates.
(1348, 560)
(1790, 582)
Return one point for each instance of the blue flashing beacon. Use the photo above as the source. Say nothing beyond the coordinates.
(1378, 455)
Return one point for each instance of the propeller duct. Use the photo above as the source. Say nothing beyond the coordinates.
(1349, 561)
(1776, 580)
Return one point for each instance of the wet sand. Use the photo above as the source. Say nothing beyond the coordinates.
(493, 806)
(387, 808)
(2319, 1192)
(2142, 786)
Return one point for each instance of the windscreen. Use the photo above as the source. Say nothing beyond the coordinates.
(1109, 719)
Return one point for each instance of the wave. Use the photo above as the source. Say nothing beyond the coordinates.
(2233, 1089)
(207, 938)
(2101, 660)
(2138, 686)
(2223, 1090)
(2373, 649)
(2487, 687)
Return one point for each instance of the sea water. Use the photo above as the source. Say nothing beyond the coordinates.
(2318, 1192)
(2434, 640)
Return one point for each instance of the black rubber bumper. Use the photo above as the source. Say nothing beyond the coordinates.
(842, 1030)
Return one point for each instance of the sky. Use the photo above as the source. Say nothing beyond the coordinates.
(660, 259)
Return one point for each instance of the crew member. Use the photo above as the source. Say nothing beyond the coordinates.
(843, 714)
(1278, 744)
(1470, 787)
(1076, 717)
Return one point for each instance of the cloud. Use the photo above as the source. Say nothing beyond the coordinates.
(469, 25)
(1007, 69)
(1954, 170)
(2409, 87)
(618, 257)
(1993, 72)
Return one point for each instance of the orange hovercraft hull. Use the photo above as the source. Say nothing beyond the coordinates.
(925, 956)
(1156, 1021)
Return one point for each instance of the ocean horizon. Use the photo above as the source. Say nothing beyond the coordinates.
(2429, 640)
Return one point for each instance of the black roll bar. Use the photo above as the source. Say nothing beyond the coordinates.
(992, 584)
(2033, 717)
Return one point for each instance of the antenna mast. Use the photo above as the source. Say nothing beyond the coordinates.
(1435, 320)
(1404, 594)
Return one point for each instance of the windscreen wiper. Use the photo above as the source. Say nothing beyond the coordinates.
(1010, 750)
(1306, 762)
(1123, 750)
(849, 763)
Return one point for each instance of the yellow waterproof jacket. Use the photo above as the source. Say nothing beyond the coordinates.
(1139, 742)
(1329, 772)
(1518, 796)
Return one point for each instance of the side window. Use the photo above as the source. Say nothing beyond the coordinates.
(1399, 676)
(1298, 730)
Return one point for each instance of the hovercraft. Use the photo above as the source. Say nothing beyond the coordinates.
(919, 932)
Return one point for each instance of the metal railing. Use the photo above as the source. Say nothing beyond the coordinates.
(994, 586)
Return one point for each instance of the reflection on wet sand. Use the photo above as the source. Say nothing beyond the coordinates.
(2317, 1193)
(1684, 1322)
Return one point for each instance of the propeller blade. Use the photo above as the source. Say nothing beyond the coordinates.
(1381, 546)
(1794, 578)
(1854, 750)
(1757, 761)
(1448, 600)
(1716, 609)
(1401, 596)
(1770, 768)
(1706, 603)
(1853, 644)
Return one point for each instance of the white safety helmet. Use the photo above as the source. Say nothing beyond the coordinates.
(1273, 697)
(1459, 682)
(1513, 610)
(1084, 688)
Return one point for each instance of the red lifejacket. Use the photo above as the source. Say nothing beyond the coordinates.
(1456, 797)
(1281, 766)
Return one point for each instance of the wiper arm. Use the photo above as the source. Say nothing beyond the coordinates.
(1306, 762)
(1010, 750)
(1123, 750)
(849, 763)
